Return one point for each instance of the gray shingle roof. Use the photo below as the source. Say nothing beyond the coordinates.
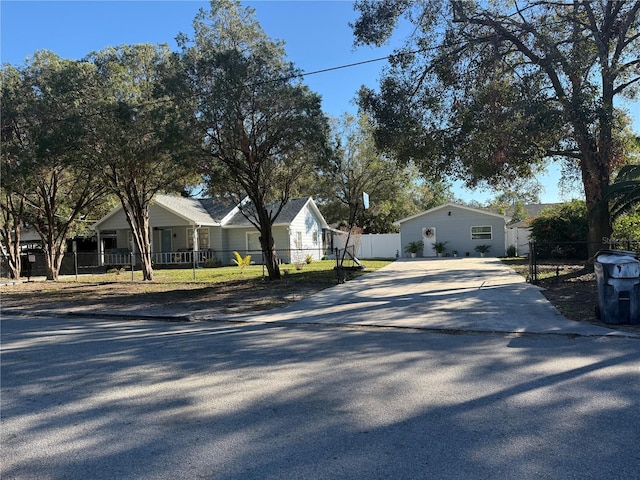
(287, 215)
(210, 211)
(534, 209)
(204, 211)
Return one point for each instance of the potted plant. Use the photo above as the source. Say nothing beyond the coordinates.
(482, 249)
(414, 247)
(439, 247)
(455, 253)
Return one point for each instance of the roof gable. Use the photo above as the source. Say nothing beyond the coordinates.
(450, 205)
(287, 215)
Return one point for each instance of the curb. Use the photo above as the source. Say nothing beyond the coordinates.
(354, 326)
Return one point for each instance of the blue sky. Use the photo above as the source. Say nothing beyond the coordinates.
(316, 33)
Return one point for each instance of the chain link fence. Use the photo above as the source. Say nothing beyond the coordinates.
(562, 259)
(81, 263)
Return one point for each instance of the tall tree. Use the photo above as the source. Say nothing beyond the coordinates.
(489, 90)
(138, 142)
(11, 204)
(356, 167)
(260, 129)
(511, 201)
(11, 217)
(44, 149)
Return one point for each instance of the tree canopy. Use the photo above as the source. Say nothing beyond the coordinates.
(47, 182)
(487, 91)
(355, 167)
(138, 136)
(259, 129)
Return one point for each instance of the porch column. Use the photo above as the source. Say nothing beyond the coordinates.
(100, 249)
(151, 240)
(195, 243)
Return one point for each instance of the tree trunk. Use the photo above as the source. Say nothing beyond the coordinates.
(12, 217)
(53, 254)
(139, 223)
(11, 249)
(14, 264)
(595, 178)
(268, 246)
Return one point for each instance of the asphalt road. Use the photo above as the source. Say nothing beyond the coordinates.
(84, 398)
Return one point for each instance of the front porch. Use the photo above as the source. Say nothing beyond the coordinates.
(180, 258)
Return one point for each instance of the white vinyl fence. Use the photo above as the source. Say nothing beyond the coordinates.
(374, 245)
(519, 238)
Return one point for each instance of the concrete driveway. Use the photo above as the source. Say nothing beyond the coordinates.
(451, 294)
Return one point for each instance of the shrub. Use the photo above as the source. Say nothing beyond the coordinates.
(212, 262)
(561, 230)
(626, 230)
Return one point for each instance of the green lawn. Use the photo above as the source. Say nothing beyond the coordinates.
(318, 271)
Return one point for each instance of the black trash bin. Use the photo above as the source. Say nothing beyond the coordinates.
(618, 279)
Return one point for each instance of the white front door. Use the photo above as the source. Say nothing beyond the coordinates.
(429, 238)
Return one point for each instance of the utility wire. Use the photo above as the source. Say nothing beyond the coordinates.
(281, 79)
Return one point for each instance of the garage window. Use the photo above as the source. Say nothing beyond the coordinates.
(481, 233)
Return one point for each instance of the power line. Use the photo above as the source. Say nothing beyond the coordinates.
(281, 79)
(349, 65)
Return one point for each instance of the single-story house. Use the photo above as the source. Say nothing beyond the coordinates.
(201, 230)
(462, 228)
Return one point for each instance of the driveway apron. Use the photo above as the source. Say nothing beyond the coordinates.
(453, 294)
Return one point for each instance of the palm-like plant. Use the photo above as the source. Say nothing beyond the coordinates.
(624, 193)
(240, 261)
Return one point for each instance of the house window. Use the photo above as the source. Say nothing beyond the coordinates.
(298, 241)
(315, 237)
(481, 233)
(203, 238)
(253, 242)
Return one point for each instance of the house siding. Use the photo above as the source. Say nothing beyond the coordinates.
(223, 240)
(308, 225)
(455, 229)
(165, 218)
(117, 221)
(236, 240)
(283, 243)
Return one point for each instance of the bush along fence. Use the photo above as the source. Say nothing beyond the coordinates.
(551, 258)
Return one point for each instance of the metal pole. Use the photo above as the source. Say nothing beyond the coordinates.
(351, 222)
(132, 262)
(75, 257)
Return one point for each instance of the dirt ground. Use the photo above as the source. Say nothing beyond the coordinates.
(573, 291)
(243, 296)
